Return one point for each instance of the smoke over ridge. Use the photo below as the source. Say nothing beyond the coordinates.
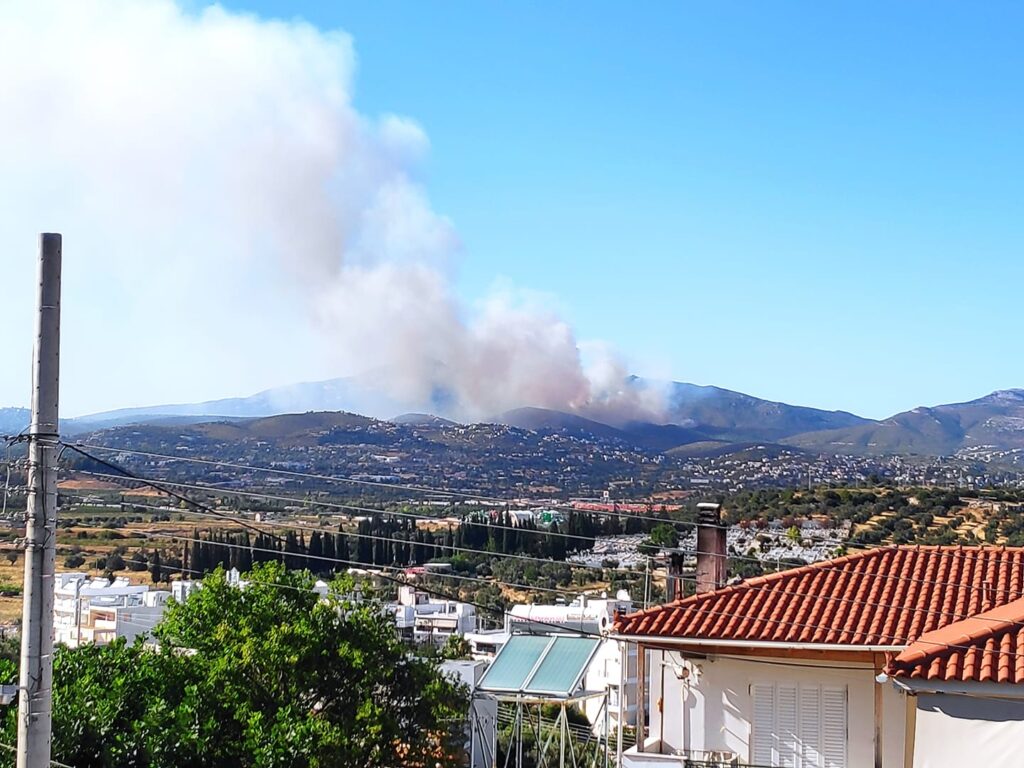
(223, 199)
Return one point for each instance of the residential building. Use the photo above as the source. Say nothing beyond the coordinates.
(421, 618)
(87, 610)
(897, 656)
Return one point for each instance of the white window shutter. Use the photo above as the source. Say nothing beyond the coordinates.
(787, 705)
(833, 713)
(762, 738)
(810, 727)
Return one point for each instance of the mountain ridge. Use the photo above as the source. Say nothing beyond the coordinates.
(699, 415)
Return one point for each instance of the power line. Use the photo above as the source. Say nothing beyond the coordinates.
(307, 502)
(374, 483)
(329, 504)
(492, 609)
(52, 762)
(273, 470)
(818, 567)
(362, 565)
(829, 598)
(731, 614)
(500, 555)
(522, 557)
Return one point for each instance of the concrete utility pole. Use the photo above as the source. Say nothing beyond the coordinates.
(35, 690)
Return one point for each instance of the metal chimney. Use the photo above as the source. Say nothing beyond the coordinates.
(711, 552)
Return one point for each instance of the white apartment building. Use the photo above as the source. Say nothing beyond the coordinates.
(424, 619)
(87, 610)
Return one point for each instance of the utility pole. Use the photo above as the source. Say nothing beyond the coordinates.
(35, 689)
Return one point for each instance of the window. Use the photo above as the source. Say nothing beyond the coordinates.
(798, 726)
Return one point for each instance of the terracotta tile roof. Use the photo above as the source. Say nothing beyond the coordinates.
(887, 596)
(987, 648)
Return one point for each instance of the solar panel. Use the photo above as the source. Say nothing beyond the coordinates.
(563, 665)
(514, 662)
(540, 665)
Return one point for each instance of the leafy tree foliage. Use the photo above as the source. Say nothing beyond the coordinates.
(268, 676)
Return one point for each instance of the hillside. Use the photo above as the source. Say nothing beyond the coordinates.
(13, 420)
(736, 417)
(547, 420)
(995, 421)
(694, 412)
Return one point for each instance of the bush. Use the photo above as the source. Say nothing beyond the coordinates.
(76, 560)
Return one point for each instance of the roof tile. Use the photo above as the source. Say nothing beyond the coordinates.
(888, 596)
(987, 647)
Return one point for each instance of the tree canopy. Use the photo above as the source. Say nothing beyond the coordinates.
(267, 676)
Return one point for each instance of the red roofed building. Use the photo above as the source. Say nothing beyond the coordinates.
(874, 659)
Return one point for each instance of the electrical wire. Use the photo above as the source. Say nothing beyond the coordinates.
(773, 591)
(55, 763)
(897, 640)
(412, 488)
(742, 558)
(233, 519)
(818, 567)
(498, 555)
(328, 504)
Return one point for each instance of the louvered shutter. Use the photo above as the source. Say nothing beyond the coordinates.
(762, 752)
(787, 707)
(810, 727)
(833, 717)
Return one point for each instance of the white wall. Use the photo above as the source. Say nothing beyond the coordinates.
(712, 709)
(604, 671)
(960, 731)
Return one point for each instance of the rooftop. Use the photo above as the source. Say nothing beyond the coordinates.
(882, 597)
(987, 648)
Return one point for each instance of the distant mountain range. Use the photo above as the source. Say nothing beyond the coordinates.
(995, 421)
(700, 419)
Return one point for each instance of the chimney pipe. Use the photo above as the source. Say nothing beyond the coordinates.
(676, 575)
(711, 554)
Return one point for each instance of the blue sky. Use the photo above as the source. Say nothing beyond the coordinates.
(816, 203)
(807, 202)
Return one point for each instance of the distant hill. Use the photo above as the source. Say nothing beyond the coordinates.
(713, 411)
(423, 420)
(996, 421)
(704, 417)
(13, 420)
(545, 419)
(331, 395)
(736, 417)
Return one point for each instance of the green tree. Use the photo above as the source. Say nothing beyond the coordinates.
(156, 571)
(268, 676)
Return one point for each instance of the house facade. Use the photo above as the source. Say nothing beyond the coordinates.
(840, 664)
(88, 610)
(421, 618)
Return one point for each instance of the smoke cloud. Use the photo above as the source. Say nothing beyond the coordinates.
(228, 212)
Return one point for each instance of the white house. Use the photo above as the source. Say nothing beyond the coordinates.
(896, 657)
(424, 619)
(87, 610)
(966, 685)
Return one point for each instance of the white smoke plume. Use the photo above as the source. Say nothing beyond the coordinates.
(228, 212)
